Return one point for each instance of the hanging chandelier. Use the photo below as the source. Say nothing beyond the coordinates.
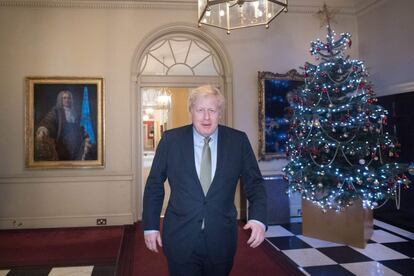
(235, 14)
(156, 98)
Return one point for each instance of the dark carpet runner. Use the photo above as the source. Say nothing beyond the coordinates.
(262, 261)
(122, 247)
(59, 247)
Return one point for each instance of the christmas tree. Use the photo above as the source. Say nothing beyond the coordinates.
(338, 148)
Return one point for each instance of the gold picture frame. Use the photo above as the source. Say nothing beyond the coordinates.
(273, 108)
(65, 122)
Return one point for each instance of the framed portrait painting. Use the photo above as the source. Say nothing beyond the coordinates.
(274, 90)
(65, 122)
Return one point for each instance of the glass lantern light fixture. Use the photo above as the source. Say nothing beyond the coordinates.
(157, 98)
(235, 14)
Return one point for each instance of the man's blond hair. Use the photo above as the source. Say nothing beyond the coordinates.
(205, 91)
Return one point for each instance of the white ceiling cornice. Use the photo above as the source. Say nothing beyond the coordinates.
(313, 6)
(363, 6)
(102, 4)
(295, 6)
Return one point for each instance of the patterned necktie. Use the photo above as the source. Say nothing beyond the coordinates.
(205, 166)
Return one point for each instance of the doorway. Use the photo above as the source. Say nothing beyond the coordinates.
(169, 63)
(162, 109)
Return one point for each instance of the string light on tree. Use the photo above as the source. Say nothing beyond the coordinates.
(338, 149)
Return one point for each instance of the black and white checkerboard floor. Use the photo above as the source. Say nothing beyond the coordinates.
(61, 271)
(390, 251)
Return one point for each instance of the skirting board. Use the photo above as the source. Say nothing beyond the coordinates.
(66, 221)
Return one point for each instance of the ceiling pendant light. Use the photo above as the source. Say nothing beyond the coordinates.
(236, 14)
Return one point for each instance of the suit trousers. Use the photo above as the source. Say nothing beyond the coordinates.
(199, 263)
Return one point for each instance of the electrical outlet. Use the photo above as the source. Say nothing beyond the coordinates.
(101, 221)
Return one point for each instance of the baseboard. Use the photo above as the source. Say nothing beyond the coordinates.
(65, 221)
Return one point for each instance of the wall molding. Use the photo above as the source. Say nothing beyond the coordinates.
(64, 221)
(295, 6)
(364, 6)
(54, 178)
(313, 9)
(101, 4)
(395, 89)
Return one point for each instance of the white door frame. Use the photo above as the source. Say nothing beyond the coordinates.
(224, 81)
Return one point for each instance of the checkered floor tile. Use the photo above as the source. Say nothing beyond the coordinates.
(61, 271)
(390, 251)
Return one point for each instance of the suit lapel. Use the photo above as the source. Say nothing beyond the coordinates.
(220, 157)
(188, 151)
(188, 154)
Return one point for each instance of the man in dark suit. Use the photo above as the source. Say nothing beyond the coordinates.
(203, 163)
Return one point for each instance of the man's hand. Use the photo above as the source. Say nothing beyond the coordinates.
(258, 233)
(151, 241)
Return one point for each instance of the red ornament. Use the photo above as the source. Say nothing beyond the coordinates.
(315, 151)
(349, 43)
(391, 184)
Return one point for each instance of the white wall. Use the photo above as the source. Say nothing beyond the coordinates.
(386, 39)
(101, 41)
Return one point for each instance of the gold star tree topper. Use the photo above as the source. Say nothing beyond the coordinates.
(326, 16)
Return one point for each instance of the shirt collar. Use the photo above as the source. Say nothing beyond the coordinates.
(200, 138)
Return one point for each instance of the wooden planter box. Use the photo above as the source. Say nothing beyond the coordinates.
(353, 226)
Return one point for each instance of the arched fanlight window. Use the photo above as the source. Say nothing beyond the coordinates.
(180, 56)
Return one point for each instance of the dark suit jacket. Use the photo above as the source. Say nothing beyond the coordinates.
(187, 206)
